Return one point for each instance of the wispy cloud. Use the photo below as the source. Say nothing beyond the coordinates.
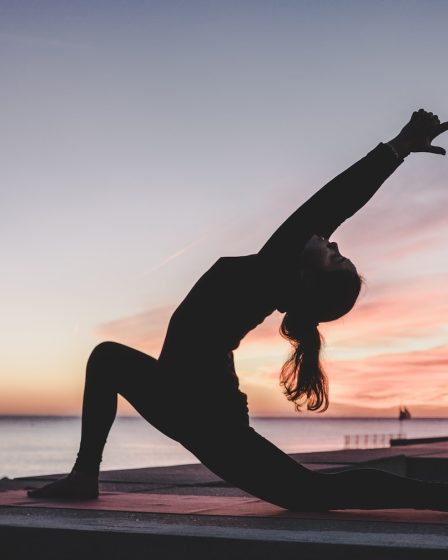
(374, 384)
(412, 312)
(206, 235)
(400, 223)
(174, 255)
(418, 377)
(144, 331)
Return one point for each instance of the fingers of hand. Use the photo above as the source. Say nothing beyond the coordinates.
(436, 150)
(425, 115)
(429, 121)
(426, 126)
(439, 129)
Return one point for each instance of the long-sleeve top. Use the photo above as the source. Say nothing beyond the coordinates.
(237, 293)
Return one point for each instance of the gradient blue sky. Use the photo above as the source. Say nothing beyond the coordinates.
(143, 140)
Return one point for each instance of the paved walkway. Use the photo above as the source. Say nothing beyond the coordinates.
(187, 511)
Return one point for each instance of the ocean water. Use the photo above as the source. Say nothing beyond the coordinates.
(48, 445)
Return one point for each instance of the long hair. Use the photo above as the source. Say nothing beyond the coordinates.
(323, 297)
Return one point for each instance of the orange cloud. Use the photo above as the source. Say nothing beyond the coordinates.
(414, 378)
(408, 314)
(144, 331)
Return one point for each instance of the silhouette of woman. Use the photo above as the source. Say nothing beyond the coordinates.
(191, 392)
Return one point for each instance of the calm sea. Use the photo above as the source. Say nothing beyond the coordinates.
(47, 445)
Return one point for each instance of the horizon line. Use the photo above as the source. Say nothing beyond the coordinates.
(258, 417)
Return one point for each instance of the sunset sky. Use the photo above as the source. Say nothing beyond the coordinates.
(142, 140)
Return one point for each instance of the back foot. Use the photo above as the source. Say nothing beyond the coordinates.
(75, 486)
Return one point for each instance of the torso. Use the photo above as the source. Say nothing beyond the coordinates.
(234, 296)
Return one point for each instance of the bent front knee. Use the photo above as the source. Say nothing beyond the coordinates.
(102, 355)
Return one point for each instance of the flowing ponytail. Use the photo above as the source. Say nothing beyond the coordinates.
(322, 297)
(302, 376)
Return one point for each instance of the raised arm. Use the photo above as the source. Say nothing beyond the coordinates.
(334, 203)
(344, 195)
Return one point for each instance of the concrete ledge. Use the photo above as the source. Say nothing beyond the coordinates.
(131, 530)
(158, 540)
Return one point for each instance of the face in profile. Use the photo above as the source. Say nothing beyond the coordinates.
(322, 255)
(327, 284)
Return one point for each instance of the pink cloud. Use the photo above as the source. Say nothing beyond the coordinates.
(418, 377)
(404, 311)
(397, 224)
(144, 331)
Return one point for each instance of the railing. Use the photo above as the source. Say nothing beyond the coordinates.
(363, 441)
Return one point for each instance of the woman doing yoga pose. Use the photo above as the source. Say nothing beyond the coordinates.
(191, 392)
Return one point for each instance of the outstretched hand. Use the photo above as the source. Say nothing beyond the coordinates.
(420, 131)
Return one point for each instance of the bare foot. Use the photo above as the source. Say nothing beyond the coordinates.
(75, 486)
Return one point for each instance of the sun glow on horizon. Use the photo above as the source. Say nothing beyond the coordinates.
(145, 141)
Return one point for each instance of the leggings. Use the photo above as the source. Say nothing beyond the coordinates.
(234, 452)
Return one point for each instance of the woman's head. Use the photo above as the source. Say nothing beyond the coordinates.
(323, 285)
(325, 288)
(321, 255)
